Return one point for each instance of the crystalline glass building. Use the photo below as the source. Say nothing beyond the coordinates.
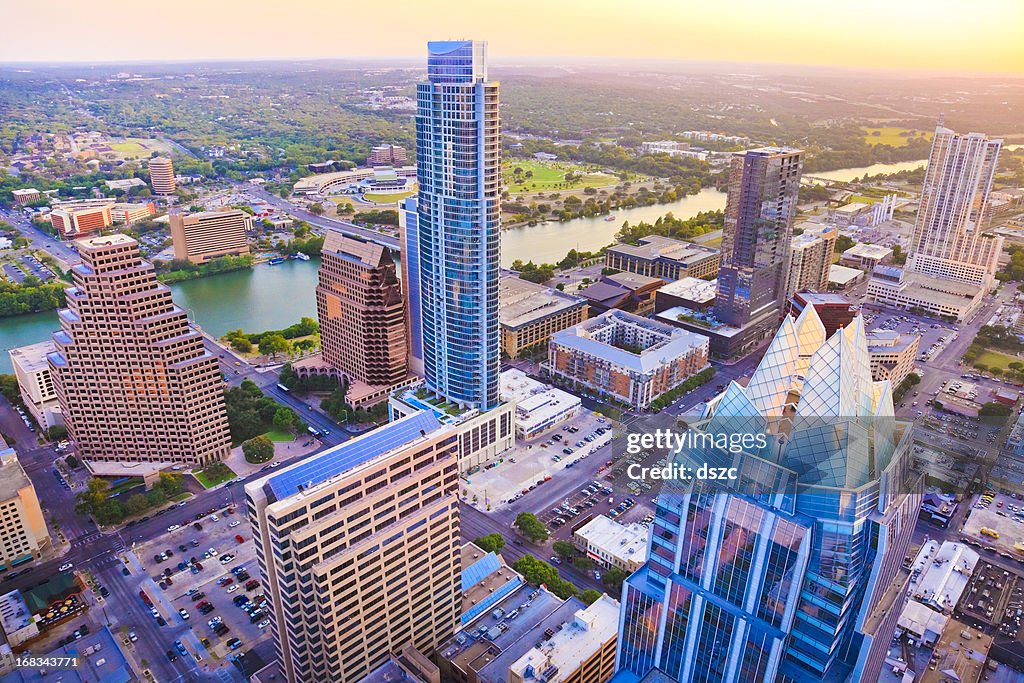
(785, 574)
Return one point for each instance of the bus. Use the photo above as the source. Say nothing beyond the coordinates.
(991, 533)
(283, 388)
(314, 431)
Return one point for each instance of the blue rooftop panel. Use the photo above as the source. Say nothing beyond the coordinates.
(345, 456)
(479, 570)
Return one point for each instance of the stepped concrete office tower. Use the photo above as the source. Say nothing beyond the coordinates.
(161, 176)
(785, 574)
(135, 383)
(948, 241)
(458, 156)
(763, 192)
(359, 550)
(361, 312)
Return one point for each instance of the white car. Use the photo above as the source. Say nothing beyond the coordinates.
(213, 552)
(66, 567)
(173, 527)
(214, 518)
(232, 588)
(234, 524)
(263, 624)
(132, 637)
(183, 613)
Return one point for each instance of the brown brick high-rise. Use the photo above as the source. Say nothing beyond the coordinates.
(361, 311)
(134, 381)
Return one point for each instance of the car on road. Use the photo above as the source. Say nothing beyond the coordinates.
(181, 648)
(173, 527)
(171, 657)
(132, 636)
(234, 524)
(66, 567)
(184, 614)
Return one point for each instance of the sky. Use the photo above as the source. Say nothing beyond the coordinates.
(938, 35)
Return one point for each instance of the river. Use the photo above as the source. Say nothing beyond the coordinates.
(273, 297)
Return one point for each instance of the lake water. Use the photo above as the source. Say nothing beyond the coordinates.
(273, 297)
(550, 242)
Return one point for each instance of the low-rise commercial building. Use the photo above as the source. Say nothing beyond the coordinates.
(843, 279)
(25, 196)
(854, 213)
(539, 407)
(36, 384)
(690, 292)
(582, 651)
(611, 544)
(23, 533)
(625, 357)
(199, 237)
(623, 291)
(81, 218)
(865, 256)
(132, 213)
(483, 436)
(892, 355)
(124, 183)
(665, 258)
(924, 294)
(529, 313)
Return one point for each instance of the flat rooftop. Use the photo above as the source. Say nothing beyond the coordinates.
(32, 358)
(12, 474)
(557, 657)
(691, 288)
(521, 302)
(625, 541)
(486, 580)
(100, 660)
(104, 241)
(633, 280)
(592, 337)
(842, 275)
(654, 247)
(704, 319)
(871, 251)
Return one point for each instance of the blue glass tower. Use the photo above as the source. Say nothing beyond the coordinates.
(458, 224)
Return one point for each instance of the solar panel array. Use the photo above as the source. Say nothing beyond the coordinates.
(345, 456)
(479, 570)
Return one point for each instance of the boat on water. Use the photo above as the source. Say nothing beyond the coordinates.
(609, 218)
(277, 259)
(301, 256)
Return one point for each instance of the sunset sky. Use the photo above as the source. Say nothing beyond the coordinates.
(946, 35)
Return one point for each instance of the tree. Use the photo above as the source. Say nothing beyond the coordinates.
(57, 433)
(992, 409)
(564, 549)
(273, 344)
(613, 578)
(136, 504)
(284, 419)
(169, 483)
(491, 543)
(258, 449)
(241, 344)
(532, 528)
(590, 596)
(843, 242)
(316, 209)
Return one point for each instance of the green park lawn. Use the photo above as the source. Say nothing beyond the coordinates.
(550, 176)
(891, 136)
(994, 359)
(130, 148)
(387, 198)
(279, 437)
(210, 481)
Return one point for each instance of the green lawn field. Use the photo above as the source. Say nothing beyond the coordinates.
(549, 175)
(891, 136)
(994, 359)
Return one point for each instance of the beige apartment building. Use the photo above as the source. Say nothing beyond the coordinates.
(23, 534)
(81, 218)
(359, 550)
(892, 355)
(199, 237)
(810, 259)
(361, 311)
(529, 313)
(35, 382)
(136, 386)
(161, 176)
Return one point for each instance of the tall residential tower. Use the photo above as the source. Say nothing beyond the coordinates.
(161, 176)
(457, 224)
(135, 383)
(763, 192)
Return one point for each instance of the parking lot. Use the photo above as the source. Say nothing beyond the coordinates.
(529, 464)
(198, 570)
(993, 598)
(997, 521)
(935, 336)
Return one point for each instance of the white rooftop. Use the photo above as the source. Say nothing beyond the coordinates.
(535, 401)
(627, 542)
(842, 275)
(32, 358)
(691, 288)
(872, 251)
(556, 658)
(940, 574)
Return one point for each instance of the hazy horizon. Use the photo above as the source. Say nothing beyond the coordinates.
(934, 36)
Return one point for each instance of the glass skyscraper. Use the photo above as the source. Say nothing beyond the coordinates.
(456, 226)
(784, 574)
(764, 186)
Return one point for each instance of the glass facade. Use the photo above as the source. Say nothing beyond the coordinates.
(458, 224)
(748, 581)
